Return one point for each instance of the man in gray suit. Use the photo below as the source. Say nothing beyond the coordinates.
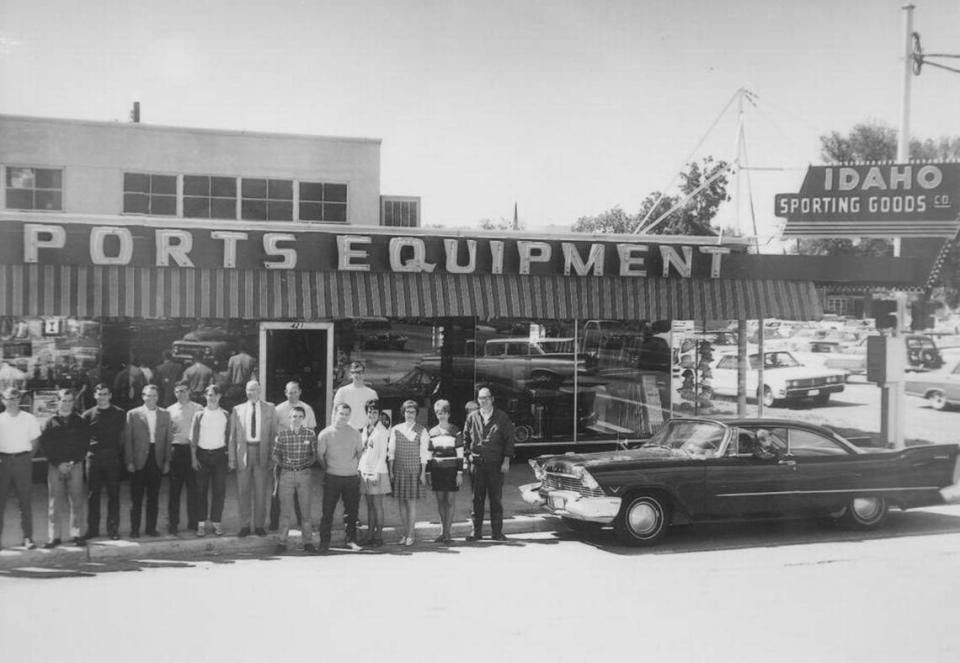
(253, 428)
(147, 440)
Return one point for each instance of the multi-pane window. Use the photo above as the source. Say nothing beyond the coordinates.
(323, 201)
(403, 213)
(207, 197)
(266, 200)
(34, 188)
(144, 193)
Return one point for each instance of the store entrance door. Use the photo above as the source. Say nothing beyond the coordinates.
(301, 351)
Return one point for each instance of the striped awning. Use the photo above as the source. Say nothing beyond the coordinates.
(144, 292)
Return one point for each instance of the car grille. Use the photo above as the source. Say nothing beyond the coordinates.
(554, 481)
(806, 383)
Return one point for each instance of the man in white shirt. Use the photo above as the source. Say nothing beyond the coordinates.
(146, 450)
(19, 435)
(182, 474)
(356, 394)
(208, 440)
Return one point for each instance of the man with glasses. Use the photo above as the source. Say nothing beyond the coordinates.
(106, 422)
(19, 435)
(356, 394)
(488, 439)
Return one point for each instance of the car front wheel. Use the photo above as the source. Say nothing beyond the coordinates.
(642, 521)
(865, 512)
(937, 400)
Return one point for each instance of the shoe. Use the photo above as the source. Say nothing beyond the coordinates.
(474, 537)
(309, 548)
(134, 534)
(244, 531)
(30, 545)
(201, 528)
(92, 534)
(410, 541)
(79, 541)
(448, 540)
(218, 530)
(353, 546)
(49, 545)
(152, 532)
(114, 536)
(260, 531)
(377, 542)
(280, 549)
(172, 530)
(402, 541)
(440, 539)
(500, 537)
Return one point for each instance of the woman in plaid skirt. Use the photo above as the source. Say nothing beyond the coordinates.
(407, 455)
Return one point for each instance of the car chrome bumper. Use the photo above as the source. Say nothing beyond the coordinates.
(570, 504)
(804, 392)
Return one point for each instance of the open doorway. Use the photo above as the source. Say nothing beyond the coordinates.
(301, 351)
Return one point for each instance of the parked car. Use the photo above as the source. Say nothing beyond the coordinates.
(211, 344)
(702, 470)
(376, 334)
(784, 378)
(832, 354)
(941, 387)
(922, 353)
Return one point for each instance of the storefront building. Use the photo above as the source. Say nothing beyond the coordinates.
(118, 266)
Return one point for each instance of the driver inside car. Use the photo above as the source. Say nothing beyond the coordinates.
(765, 448)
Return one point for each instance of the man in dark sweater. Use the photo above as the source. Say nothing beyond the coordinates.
(488, 438)
(65, 440)
(105, 423)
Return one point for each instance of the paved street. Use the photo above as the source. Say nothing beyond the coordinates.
(760, 592)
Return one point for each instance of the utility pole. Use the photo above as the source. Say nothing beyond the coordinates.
(892, 397)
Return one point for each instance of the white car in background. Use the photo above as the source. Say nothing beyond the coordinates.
(784, 378)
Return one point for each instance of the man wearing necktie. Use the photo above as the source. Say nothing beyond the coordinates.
(253, 428)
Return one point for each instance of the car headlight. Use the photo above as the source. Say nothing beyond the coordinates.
(586, 479)
(537, 469)
(791, 384)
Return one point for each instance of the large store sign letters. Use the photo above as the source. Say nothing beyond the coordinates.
(890, 199)
(140, 246)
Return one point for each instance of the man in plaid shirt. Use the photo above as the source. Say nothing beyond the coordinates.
(294, 453)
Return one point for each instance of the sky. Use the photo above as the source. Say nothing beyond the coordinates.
(566, 108)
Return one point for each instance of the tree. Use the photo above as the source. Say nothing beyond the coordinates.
(693, 217)
(871, 141)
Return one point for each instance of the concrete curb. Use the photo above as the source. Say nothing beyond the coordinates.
(99, 550)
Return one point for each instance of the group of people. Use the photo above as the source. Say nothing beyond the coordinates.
(196, 446)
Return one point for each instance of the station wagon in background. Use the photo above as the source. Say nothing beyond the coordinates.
(784, 378)
(704, 470)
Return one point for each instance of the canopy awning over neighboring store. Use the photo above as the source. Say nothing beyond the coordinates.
(151, 292)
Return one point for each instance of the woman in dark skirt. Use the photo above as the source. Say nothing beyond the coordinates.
(445, 466)
(407, 457)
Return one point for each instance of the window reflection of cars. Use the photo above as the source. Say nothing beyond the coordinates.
(211, 344)
(784, 378)
(702, 470)
(372, 334)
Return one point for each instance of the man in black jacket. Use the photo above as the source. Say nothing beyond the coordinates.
(488, 438)
(65, 440)
(105, 423)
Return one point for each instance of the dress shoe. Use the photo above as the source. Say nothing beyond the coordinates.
(474, 537)
(134, 534)
(92, 534)
(114, 536)
(79, 541)
(260, 531)
(309, 548)
(244, 531)
(500, 537)
(29, 544)
(280, 549)
(49, 545)
(172, 530)
(152, 532)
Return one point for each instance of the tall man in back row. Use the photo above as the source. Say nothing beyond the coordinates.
(488, 438)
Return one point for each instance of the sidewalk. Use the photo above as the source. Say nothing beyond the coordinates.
(519, 517)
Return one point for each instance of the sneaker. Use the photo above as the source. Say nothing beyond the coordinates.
(352, 546)
(217, 529)
(29, 544)
(201, 529)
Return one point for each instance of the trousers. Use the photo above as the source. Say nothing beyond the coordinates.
(15, 472)
(103, 471)
(487, 482)
(64, 488)
(182, 476)
(145, 481)
(212, 480)
(336, 488)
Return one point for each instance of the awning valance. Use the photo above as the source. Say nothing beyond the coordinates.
(147, 292)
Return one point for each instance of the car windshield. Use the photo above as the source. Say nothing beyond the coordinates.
(679, 434)
(774, 360)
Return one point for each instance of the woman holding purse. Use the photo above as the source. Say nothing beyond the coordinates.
(374, 476)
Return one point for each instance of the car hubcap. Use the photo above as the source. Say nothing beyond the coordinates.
(644, 519)
(867, 508)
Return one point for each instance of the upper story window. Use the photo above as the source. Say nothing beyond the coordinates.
(34, 188)
(144, 193)
(207, 197)
(323, 201)
(400, 212)
(266, 200)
